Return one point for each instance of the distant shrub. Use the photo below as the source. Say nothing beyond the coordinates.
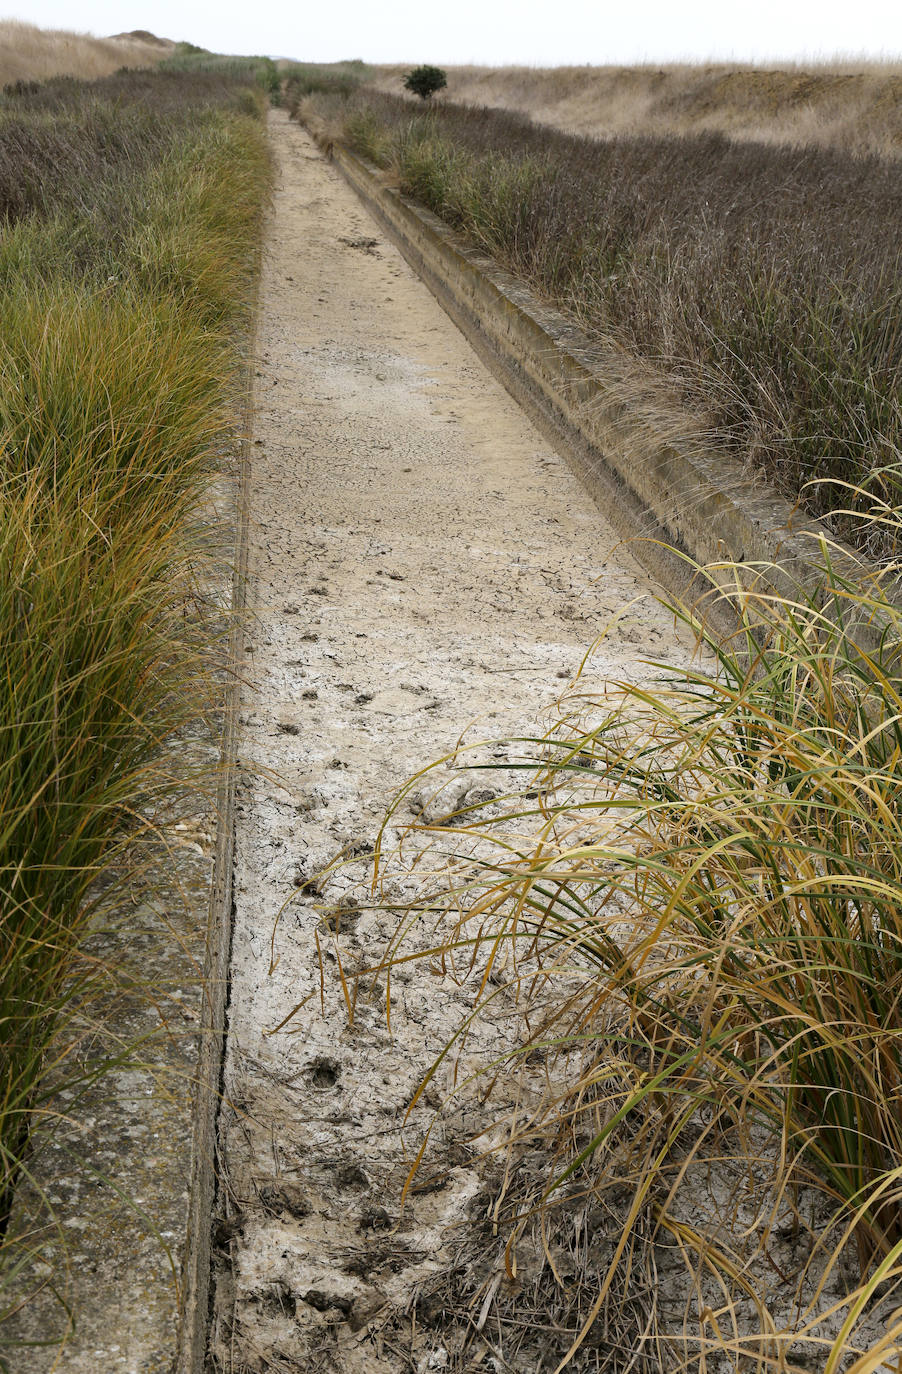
(425, 81)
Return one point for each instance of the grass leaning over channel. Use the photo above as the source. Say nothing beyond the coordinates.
(764, 282)
(693, 905)
(120, 366)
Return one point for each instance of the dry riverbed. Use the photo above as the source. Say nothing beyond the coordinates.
(423, 567)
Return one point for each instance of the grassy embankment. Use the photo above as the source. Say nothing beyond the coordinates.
(262, 71)
(131, 208)
(697, 894)
(303, 79)
(284, 81)
(763, 282)
(32, 54)
(853, 107)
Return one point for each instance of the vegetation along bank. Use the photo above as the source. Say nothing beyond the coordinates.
(762, 281)
(131, 210)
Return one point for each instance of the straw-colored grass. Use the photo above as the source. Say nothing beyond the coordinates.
(28, 53)
(851, 106)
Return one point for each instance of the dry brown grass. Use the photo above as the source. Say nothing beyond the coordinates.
(28, 53)
(856, 108)
(763, 281)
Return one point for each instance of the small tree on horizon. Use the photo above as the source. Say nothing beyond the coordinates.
(425, 81)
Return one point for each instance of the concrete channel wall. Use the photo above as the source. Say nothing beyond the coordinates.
(682, 507)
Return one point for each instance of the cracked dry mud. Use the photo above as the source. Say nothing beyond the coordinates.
(423, 566)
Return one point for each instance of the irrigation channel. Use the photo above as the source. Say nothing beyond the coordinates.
(422, 567)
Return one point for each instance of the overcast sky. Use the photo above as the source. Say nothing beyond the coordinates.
(497, 32)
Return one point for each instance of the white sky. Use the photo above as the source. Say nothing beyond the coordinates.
(498, 32)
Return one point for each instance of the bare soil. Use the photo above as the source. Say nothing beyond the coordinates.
(423, 568)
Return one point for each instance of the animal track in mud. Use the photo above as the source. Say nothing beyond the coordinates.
(375, 1219)
(325, 1074)
(277, 1301)
(308, 884)
(342, 919)
(363, 244)
(393, 1255)
(350, 1177)
(284, 1196)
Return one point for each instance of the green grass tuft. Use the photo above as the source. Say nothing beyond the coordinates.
(133, 207)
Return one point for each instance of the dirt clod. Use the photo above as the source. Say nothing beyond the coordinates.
(327, 1302)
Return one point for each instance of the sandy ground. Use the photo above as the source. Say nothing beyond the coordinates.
(423, 565)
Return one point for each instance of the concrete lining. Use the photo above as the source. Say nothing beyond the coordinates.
(423, 570)
(683, 506)
(195, 1287)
